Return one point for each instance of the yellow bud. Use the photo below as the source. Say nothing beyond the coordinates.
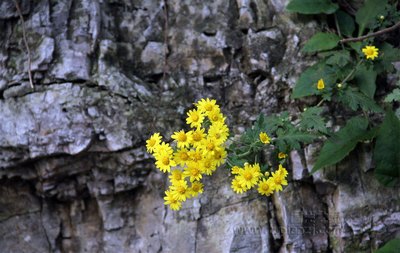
(305, 109)
(381, 17)
(339, 85)
(267, 174)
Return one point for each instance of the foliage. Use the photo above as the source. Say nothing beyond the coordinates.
(392, 246)
(349, 68)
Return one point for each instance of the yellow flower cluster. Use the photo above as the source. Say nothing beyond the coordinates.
(195, 153)
(250, 176)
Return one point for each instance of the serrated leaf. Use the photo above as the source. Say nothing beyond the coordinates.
(311, 119)
(312, 6)
(392, 246)
(387, 55)
(394, 96)
(339, 58)
(306, 84)
(366, 78)
(368, 13)
(346, 23)
(321, 42)
(342, 143)
(387, 151)
(355, 100)
(291, 140)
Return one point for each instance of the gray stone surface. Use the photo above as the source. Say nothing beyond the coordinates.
(74, 174)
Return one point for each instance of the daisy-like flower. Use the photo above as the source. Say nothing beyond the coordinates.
(237, 186)
(196, 188)
(282, 155)
(208, 166)
(182, 139)
(250, 175)
(193, 172)
(207, 105)
(180, 190)
(266, 187)
(279, 179)
(181, 157)
(321, 84)
(197, 136)
(195, 118)
(370, 52)
(216, 116)
(219, 131)
(153, 142)
(264, 138)
(164, 162)
(172, 201)
(176, 175)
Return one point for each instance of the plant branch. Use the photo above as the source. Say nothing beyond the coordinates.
(386, 30)
(25, 42)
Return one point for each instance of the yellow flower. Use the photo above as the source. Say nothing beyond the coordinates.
(320, 84)
(176, 175)
(236, 170)
(172, 201)
(164, 162)
(282, 170)
(216, 116)
(196, 188)
(266, 187)
(208, 166)
(181, 156)
(180, 190)
(219, 131)
(282, 155)
(197, 136)
(237, 186)
(195, 118)
(370, 52)
(193, 171)
(207, 105)
(250, 175)
(264, 138)
(279, 179)
(219, 156)
(153, 142)
(182, 139)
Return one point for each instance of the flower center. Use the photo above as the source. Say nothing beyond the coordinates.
(165, 160)
(197, 137)
(182, 137)
(248, 176)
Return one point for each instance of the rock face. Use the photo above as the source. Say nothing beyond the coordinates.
(74, 174)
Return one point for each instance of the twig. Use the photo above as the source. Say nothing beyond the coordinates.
(389, 29)
(26, 43)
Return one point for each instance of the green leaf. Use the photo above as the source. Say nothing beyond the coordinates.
(311, 119)
(312, 6)
(339, 58)
(392, 246)
(366, 78)
(355, 100)
(321, 42)
(368, 13)
(346, 23)
(394, 96)
(387, 151)
(291, 140)
(339, 146)
(387, 55)
(307, 83)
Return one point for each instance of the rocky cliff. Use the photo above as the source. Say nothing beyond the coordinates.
(74, 174)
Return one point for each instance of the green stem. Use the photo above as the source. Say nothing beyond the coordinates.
(248, 152)
(352, 72)
(320, 102)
